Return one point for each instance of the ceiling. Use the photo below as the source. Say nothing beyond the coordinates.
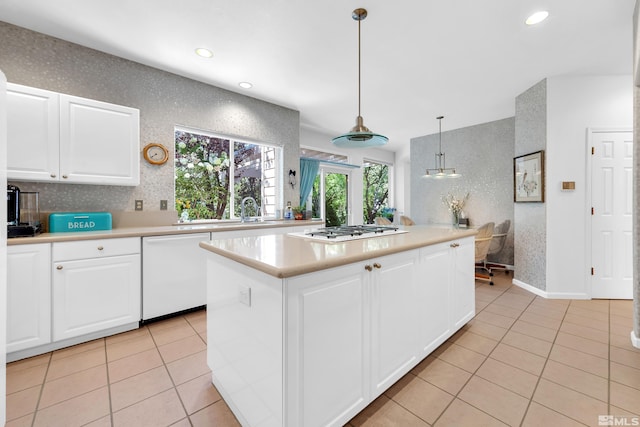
(464, 59)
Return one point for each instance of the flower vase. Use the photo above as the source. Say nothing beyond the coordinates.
(456, 219)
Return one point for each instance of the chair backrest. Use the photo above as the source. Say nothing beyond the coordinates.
(380, 220)
(500, 232)
(405, 220)
(483, 240)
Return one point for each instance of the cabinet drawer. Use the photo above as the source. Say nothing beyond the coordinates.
(95, 248)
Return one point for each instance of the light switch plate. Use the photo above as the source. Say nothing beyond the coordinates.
(138, 205)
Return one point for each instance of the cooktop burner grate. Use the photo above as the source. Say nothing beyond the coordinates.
(351, 231)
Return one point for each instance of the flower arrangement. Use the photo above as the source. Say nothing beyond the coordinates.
(455, 205)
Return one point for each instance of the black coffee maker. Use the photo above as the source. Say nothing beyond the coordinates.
(23, 213)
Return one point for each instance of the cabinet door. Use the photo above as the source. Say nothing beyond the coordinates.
(327, 348)
(463, 283)
(33, 134)
(433, 296)
(99, 142)
(95, 294)
(393, 319)
(173, 274)
(28, 296)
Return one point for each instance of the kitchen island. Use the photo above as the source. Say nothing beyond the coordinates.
(302, 332)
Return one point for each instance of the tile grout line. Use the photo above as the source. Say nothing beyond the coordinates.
(476, 370)
(544, 366)
(44, 380)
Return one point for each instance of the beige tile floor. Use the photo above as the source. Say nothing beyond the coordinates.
(522, 361)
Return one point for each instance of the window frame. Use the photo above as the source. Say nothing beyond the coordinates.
(278, 166)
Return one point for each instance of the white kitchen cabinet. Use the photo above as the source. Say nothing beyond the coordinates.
(328, 346)
(28, 296)
(173, 274)
(33, 134)
(96, 286)
(62, 138)
(463, 301)
(433, 296)
(353, 333)
(394, 318)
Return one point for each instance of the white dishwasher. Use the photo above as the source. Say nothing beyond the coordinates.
(173, 274)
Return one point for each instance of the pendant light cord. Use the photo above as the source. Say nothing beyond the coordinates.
(359, 67)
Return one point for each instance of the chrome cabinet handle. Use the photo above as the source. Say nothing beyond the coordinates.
(59, 267)
(454, 245)
(53, 175)
(376, 265)
(100, 248)
(65, 176)
(368, 267)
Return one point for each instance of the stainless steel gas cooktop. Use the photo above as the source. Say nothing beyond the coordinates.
(349, 232)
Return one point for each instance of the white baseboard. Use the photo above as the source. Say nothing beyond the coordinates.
(549, 295)
(635, 340)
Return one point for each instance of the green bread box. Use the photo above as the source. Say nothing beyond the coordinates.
(79, 221)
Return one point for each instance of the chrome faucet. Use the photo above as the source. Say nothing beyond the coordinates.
(243, 217)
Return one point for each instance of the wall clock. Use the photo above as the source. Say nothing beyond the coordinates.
(155, 153)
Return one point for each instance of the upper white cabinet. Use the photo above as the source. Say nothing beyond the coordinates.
(63, 138)
(33, 134)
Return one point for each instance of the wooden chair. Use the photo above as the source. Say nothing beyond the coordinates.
(405, 220)
(380, 220)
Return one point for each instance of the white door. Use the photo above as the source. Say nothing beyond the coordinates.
(611, 219)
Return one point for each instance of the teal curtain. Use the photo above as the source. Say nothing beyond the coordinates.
(308, 171)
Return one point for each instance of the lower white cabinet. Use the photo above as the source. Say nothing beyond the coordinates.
(174, 274)
(463, 301)
(28, 296)
(95, 286)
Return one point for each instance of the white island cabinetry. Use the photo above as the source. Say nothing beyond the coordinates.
(315, 348)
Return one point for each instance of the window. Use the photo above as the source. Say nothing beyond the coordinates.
(330, 195)
(204, 164)
(375, 185)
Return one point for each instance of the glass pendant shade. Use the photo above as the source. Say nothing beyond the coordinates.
(359, 136)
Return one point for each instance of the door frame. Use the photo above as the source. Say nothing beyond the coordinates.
(589, 201)
(327, 169)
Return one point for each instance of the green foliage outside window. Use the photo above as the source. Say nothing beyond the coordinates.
(201, 175)
(376, 193)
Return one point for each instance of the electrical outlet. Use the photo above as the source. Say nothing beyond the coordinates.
(163, 205)
(138, 205)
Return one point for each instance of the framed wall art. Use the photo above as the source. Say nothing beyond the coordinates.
(528, 175)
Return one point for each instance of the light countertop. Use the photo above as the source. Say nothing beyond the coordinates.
(286, 256)
(186, 228)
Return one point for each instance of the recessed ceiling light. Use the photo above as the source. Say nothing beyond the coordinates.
(245, 85)
(205, 53)
(537, 17)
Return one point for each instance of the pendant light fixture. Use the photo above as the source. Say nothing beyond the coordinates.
(441, 171)
(359, 136)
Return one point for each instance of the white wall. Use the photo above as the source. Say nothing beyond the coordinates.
(573, 105)
(3, 250)
(316, 140)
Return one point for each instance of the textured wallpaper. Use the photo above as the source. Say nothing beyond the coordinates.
(164, 100)
(531, 136)
(483, 154)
